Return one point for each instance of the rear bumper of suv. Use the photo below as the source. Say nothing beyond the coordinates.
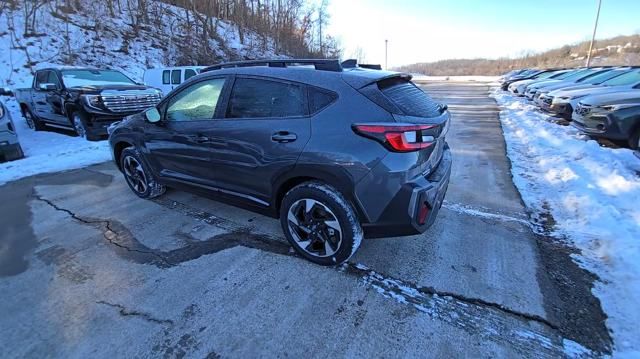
(415, 206)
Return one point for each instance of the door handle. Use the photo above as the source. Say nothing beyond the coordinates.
(201, 139)
(284, 137)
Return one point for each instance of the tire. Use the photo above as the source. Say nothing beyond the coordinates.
(137, 175)
(79, 123)
(32, 122)
(634, 140)
(320, 223)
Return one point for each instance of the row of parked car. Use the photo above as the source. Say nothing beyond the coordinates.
(599, 101)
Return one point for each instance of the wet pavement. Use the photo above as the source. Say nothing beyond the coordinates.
(89, 269)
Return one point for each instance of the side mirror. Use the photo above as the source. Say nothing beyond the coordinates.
(47, 87)
(152, 115)
(5, 91)
(444, 107)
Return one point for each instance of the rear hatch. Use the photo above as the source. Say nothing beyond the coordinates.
(421, 122)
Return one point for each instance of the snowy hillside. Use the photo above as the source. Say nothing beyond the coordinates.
(96, 38)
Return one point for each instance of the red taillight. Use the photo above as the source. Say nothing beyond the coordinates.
(398, 137)
(423, 213)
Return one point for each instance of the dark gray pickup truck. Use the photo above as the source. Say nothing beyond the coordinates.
(85, 100)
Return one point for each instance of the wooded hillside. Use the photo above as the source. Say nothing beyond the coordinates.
(621, 50)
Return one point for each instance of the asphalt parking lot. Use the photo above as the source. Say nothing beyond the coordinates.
(88, 269)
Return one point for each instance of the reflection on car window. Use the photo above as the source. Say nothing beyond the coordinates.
(253, 98)
(166, 75)
(189, 73)
(629, 78)
(175, 77)
(195, 103)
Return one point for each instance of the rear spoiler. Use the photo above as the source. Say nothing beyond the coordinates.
(360, 80)
(353, 63)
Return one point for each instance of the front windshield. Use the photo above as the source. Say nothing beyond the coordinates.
(78, 78)
(600, 78)
(629, 78)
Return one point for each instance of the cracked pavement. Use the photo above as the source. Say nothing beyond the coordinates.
(88, 269)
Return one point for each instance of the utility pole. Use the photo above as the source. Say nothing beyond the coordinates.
(386, 43)
(593, 37)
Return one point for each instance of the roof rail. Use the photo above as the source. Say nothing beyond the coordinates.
(319, 64)
(353, 63)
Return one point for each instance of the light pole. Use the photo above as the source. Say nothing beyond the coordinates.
(386, 42)
(593, 37)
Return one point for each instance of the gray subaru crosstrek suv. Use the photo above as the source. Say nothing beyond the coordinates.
(9, 146)
(337, 151)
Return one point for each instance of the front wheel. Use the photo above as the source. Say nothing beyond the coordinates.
(320, 223)
(80, 126)
(139, 178)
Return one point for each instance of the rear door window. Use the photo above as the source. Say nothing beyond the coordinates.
(166, 77)
(175, 77)
(258, 98)
(409, 98)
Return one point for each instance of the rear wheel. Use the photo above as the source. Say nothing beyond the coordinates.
(320, 224)
(139, 178)
(32, 122)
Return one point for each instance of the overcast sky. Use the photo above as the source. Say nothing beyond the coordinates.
(429, 30)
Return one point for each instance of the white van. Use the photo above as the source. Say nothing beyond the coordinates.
(168, 78)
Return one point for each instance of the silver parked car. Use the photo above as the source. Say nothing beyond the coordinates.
(9, 146)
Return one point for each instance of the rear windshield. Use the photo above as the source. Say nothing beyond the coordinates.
(76, 78)
(409, 98)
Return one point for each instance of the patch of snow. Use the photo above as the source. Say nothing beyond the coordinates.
(47, 151)
(575, 350)
(466, 209)
(593, 195)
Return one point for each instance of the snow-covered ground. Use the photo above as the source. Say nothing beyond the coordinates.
(593, 195)
(48, 151)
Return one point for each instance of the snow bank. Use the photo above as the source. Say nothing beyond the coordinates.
(47, 151)
(593, 195)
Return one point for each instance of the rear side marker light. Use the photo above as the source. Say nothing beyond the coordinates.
(398, 138)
